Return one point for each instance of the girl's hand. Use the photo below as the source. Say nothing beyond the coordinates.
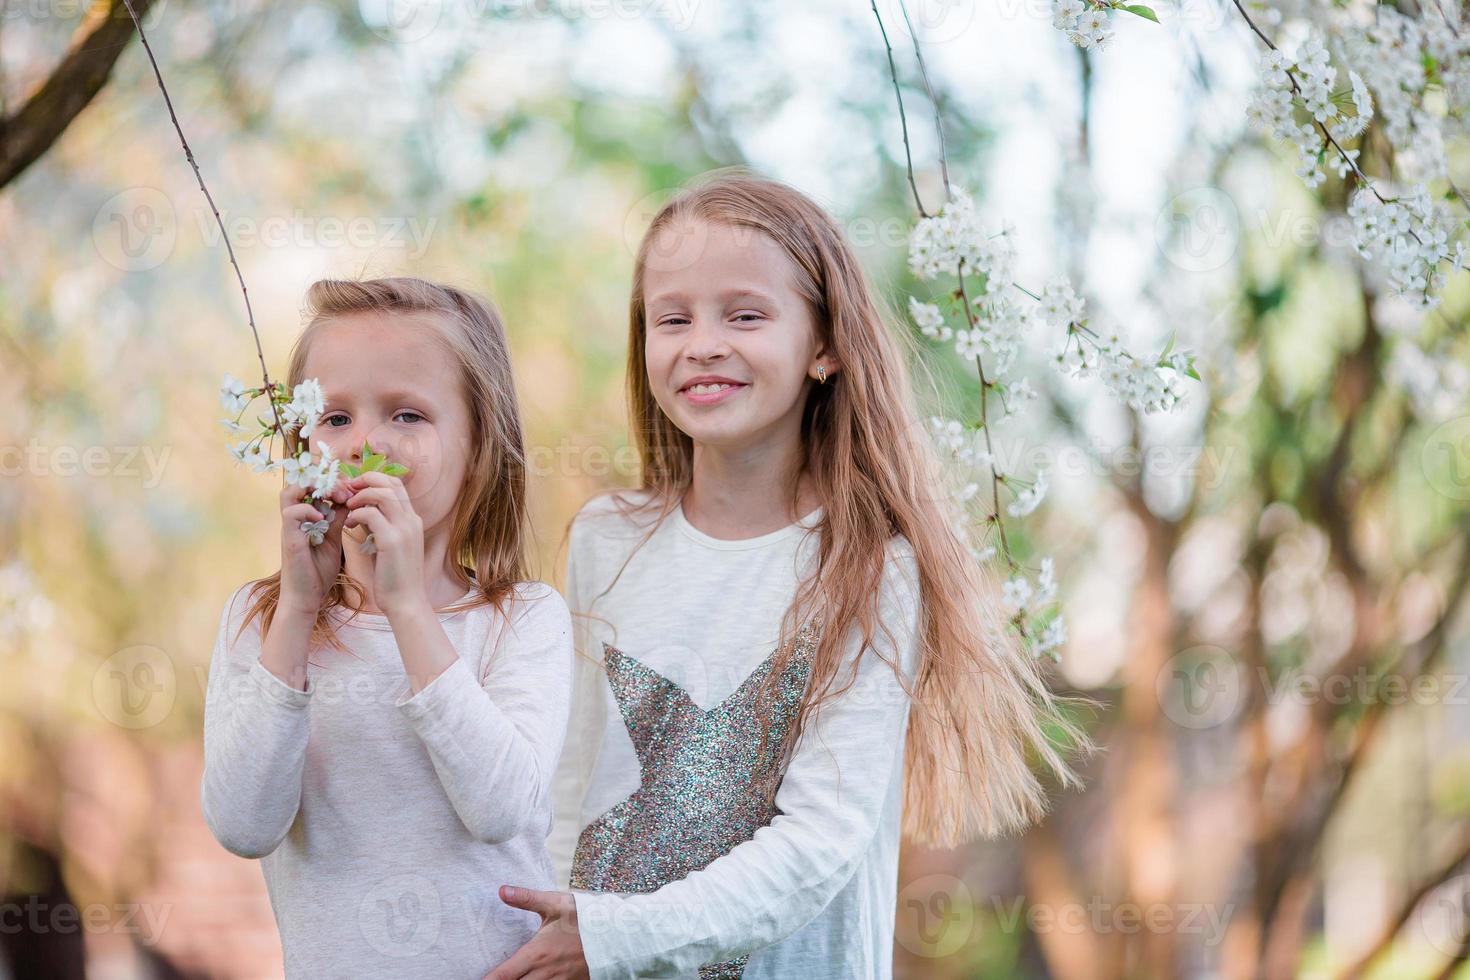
(307, 571)
(380, 503)
(555, 952)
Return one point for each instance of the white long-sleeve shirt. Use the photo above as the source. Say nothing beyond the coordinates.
(385, 823)
(680, 864)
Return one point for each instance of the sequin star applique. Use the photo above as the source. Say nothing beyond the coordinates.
(707, 785)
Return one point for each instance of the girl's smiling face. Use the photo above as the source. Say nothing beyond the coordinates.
(729, 342)
(396, 385)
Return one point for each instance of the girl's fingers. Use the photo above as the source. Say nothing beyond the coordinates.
(378, 495)
(517, 966)
(391, 485)
(301, 512)
(368, 515)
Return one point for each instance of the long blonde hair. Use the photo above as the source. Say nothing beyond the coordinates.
(981, 707)
(489, 526)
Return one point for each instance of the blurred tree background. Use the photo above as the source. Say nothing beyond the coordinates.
(1264, 589)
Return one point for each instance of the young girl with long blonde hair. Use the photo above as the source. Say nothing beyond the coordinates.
(381, 725)
(789, 656)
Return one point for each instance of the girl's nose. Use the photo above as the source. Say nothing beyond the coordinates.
(705, 341)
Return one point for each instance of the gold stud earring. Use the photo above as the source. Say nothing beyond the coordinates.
(821, 374)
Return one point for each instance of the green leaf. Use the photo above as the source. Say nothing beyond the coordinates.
(1142, 11)
(374, 462)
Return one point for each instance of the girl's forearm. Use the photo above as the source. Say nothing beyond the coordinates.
(422, 643)
(284, 648)
(493, 740)
(256, 726)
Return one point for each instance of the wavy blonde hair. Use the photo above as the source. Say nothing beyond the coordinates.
(489, 526)
(981, 707)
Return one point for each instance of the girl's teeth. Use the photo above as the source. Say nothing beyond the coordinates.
(706, 389)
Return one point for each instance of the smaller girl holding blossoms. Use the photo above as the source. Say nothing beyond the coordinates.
(381, 725)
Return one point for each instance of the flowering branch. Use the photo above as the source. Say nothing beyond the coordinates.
(1403, 60)
(304, 406)
(1087, 23)
(1404, 57)
(954, 243)
(199, 176)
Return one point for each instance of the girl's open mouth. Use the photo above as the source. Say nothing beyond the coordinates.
(711, 392)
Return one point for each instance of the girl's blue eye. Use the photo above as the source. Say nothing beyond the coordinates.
(328, 420)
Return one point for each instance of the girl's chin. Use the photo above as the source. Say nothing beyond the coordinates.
(725, 436)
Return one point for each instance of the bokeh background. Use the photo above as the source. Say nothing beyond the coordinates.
(1239, 576)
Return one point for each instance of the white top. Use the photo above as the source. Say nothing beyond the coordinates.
(385, 823)
(677, 857)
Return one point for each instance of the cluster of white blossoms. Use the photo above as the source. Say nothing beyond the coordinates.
(956, 239)
(996, 320)
(1148, 387)
(1305, 85)
(1403, 59)
(955, 243)
(299, 413)
(958, 441)
(1409, 237)
(1087, 25)
(1019, 594)
(1413, 71)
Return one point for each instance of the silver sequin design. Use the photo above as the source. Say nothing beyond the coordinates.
(706, 785)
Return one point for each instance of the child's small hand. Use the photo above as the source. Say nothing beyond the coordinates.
(555, 952)
(380, 503)
(307, 571)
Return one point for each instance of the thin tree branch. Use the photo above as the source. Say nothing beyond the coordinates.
(929, 90)
(239, 276)
(902, 116)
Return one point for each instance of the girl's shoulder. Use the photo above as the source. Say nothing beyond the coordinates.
(530, 600)
(901, 551)
(616, 514)
(536, 613)
(900, 570)
(537, 593)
